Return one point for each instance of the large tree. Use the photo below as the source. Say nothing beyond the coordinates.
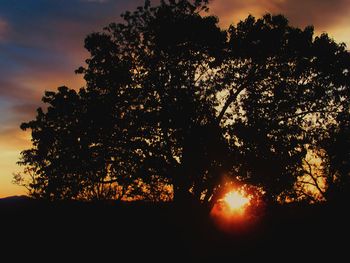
(173, 99)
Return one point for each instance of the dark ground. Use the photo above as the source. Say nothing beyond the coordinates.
(146, 232)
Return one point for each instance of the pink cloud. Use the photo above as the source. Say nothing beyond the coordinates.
(4, 29)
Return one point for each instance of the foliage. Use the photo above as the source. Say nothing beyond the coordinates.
(337, 153)
(171, 99)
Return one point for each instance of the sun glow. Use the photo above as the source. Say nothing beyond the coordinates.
(232, 205)
(236, 201)
(238, 209)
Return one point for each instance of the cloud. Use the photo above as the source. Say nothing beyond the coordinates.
(323, 14)
(12, 91)
(25, 110)
(14, 139)
(95, 1)
(4, 29)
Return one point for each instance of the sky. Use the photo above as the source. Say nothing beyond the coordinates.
(42, 43)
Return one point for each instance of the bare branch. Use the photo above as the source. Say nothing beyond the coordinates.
(250, 78)
(306, 195)
(233, 96)
(314, 179)
(303, 114)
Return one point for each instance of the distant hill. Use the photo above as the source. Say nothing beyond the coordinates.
(15, 198)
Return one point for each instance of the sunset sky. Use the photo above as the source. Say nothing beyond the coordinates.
(41, 44)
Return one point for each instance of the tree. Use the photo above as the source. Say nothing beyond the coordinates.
(171, 98)
(337, 160)
(166, 96)
(294, 88)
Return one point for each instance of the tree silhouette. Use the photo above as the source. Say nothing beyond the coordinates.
(337, 161)
(294, 90)
(172, 99)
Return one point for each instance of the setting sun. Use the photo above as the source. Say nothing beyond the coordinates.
(236, 201)
(232, 212)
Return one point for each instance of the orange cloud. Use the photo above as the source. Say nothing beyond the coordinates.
(323, 14)
(327, 16)
(13, 138)
(231, 12)
(320, 13)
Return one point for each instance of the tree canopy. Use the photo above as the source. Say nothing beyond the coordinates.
(175, 107)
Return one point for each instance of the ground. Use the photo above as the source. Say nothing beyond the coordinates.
(68, 231)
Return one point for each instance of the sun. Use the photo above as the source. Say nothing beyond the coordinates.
(238, 209)
(236, 201)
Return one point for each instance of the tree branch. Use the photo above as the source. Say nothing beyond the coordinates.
(307, 195)
(303, 113)
(201, 74)
(233, 95)
(314, 179)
